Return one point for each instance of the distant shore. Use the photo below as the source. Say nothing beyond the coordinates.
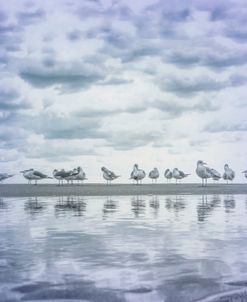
(25, 190)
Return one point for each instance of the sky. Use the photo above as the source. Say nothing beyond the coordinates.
(95, 83)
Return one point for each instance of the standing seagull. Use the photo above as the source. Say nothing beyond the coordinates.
(60, 175)
(81, 175)
(137, 174)
(154, 175)
(205, 172)
(168, 174)
(4, 176)
(245, 173)
(32, 174)
(108, 175)
(229, 174)
(215, 175)
(71, 175)
(178, 175)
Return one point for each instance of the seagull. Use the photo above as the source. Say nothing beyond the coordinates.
(215, 175)
(137, 174)
(81, 175)
(35, 175)
(4, 176)
(177, 174)
(71, 175)
(205, 172)
(168, 174)
(229, 174)
(61, 175)
(108, 175)
(245, 173)
(154, 174)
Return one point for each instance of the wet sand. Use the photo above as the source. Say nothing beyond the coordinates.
(25, 190)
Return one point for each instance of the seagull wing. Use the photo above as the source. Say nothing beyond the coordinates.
(39, 174)
(110, 173)
(215, 173)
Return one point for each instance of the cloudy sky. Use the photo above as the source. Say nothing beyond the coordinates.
(114, 82)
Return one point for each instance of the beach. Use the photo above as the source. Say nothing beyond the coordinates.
(25, 190)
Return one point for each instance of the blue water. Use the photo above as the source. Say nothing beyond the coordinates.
(145, 248)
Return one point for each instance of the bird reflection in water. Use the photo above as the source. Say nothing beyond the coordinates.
(33, 206)
(70, 204)
(229, 203)
(109, 207)
(154, 204)
(138, 205)
(3, 204)
(175, 204)
(206, 206)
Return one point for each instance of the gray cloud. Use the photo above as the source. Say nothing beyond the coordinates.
(68, 76)
(52, 126)
(58, 151)
(30, 17)
(189, 86)
(115, 81)
(10, 37)
(219, 59)
(11, 101)
(74, 35)
(175, 109)
(12, 139)
(217, 126)
(127, 140)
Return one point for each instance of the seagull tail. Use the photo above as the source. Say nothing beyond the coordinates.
(49, 177)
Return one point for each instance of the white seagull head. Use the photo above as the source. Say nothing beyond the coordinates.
(200, 162)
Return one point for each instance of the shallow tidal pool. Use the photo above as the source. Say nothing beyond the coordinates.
(139, 248)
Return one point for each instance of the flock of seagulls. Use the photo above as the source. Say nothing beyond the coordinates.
(77, 174)
(137, 174)
(205, 173)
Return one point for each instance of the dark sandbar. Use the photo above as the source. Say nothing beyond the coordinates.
(25, 190)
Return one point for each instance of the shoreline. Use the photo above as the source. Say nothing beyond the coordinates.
(25, 190)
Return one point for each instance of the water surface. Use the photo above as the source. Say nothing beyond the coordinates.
(142, 248)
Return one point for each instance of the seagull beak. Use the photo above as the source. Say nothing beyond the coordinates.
(204, 163)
